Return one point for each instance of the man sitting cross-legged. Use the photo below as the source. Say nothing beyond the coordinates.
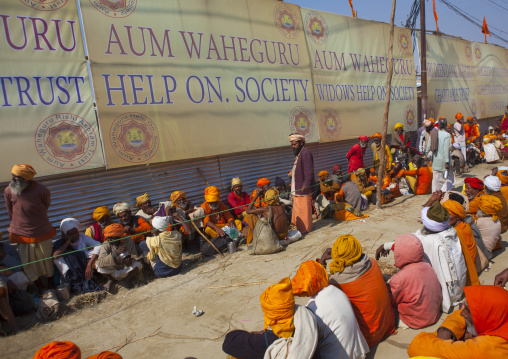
(102, 218)
(118, 257)
(131, 224)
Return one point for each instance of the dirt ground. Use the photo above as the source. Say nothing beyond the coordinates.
(156, 320)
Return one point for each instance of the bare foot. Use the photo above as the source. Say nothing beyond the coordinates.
(108, 284)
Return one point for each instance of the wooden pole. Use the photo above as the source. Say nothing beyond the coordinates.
(382, 152)
(423, 60)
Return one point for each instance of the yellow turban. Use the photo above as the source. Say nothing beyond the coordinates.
(235, 181)
(455, 209)
(503, 177)
(377, 135)
(346, 251)
(322, 174)
(490, 205)
(278, 305)
(100, 212)
(176, 195)
(360, 172)
(431, 120)
(25, 171)
(272, 197)
(212, 194)
(142, 199)
(398, 125)
(310, 278)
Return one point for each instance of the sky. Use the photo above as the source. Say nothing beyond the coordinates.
(449, 22)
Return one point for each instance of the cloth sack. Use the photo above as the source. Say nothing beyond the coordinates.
(48, 305)
(265, 240)
(304, 342)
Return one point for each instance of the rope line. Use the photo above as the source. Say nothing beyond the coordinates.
(163, 229)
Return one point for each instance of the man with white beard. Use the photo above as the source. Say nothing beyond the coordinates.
(27, 203)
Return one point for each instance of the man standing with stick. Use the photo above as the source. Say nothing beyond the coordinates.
(302, 184)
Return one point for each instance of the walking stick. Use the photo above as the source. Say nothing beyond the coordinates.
(206, 239)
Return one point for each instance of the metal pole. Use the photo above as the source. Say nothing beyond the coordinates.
(423, 60)
(382, 151)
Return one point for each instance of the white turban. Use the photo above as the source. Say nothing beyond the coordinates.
(161, 223)
(433, 225)
(121, 207)
(296, 137)
(69, 223)
(493, 183)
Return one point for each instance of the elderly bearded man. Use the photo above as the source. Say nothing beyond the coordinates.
(356, 154)
(131, 224)
(264, 184)
(102, 218)
(146, 210)
(302, 184)
(183, 211)
(376, 148)
(237, 199)
(27, 203)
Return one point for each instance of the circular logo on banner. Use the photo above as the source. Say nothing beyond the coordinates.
(316, 27)
(474, 108)
(483, 109)
(115, 8)
(331, 124)
(477, 52)
(431, 111)
(469, 52)
(286, 21)
(65, 141)
(404, 41)
(45, 5)
(410, 116)
(300, 121)
(134, 137)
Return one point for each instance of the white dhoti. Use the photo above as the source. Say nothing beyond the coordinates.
(119, 274)
(33, 252)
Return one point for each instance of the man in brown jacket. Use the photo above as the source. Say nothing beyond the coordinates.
(302, 184)
(118, 258)
(27, 203)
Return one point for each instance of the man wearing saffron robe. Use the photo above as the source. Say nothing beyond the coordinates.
(133, 225)
(27, 203)
(302, 184)
(102, 218)
(217, 214)
(478, 330)
(264, 185)
(420, 179)
(356, 154)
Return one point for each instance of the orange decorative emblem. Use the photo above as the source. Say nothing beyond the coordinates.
(316, 27)
(302, 122)
(330, 124)
(286, 21)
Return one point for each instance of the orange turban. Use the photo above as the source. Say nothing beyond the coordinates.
(377, 135)
(458, 116)
(105, 355)
(263, 181)
(176, 195)
(322, 174)
(503, 177)
(278, 305)
(25, 171)
(100, 212)
(113, 230)
(490, 205)
(455, 209)
(310, 278)
(59, 350)
(212, 194)
(469, 118)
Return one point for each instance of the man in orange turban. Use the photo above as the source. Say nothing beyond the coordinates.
(264, 185)
(360, 278)
(118, 257)
(59, 350)
(328, 190)
(376, 148)
(102, 218)
(466, 237)
(217, 215)
(182, 211)
(27, 203)
(459, 134)
(478, 330)
(278, 305)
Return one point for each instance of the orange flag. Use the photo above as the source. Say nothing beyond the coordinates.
(435, 14)
(485, 29)
(352, 10)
